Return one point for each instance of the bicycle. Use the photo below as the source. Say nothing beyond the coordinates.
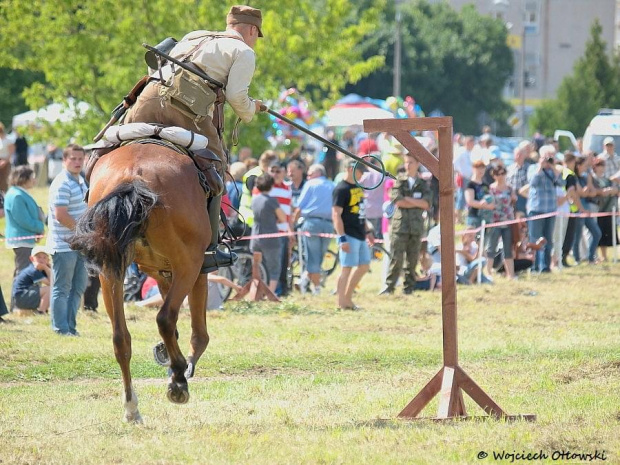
(329, 264)
(330, 261)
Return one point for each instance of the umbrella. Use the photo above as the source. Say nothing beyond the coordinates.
(354, 114)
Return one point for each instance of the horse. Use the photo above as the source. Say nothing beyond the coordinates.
(146, 204)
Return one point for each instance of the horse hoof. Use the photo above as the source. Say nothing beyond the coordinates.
(177, 394)
(134, 418)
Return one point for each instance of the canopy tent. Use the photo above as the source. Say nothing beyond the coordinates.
(51, 113)
(354, 114)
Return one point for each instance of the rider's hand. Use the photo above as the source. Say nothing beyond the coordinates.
(259, 104)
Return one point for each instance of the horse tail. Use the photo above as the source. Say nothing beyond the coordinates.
(106, 233)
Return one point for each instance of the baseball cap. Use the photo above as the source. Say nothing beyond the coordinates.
(355, 164)
(39, 249)
(608, 141)
(367, 146)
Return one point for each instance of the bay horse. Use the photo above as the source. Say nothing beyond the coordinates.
(146, 204)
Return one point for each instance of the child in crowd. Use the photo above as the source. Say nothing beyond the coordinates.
(427, 279)
(31, 287)
(468, 261)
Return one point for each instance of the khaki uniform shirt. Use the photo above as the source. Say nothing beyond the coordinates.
(227, 60)
(409, 220)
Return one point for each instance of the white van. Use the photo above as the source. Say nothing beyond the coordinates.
(605, 124)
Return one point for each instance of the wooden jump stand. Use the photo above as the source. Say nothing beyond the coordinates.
(256, 289)
(451, 380)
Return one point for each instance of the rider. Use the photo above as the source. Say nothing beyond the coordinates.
(227, 57)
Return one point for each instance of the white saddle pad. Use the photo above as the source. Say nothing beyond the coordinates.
(188, 139)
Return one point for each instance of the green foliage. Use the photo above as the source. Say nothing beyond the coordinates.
(12, 82)
(594, 84)
(91, 51)
(455, 62)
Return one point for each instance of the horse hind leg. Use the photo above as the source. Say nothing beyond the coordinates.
(200, 337)
(112, 290)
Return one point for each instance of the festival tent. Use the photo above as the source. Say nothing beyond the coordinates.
(51, 113)
(351, 115)
(353, 109)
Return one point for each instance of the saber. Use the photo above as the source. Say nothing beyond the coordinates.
(122, 107)
(326, 142)
(200, 73)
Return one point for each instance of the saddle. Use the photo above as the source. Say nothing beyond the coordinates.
(180, 140)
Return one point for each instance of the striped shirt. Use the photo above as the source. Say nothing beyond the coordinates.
(67, 190)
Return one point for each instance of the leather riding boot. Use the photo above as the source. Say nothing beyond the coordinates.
(211, 166)
(214, 257)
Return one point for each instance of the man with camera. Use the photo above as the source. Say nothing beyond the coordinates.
(542, 199)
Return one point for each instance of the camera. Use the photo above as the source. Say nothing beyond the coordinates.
(550, 160)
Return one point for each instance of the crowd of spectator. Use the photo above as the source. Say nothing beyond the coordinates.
(540, 184)
(276, 193)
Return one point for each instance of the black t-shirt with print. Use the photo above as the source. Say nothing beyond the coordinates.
(350, 198)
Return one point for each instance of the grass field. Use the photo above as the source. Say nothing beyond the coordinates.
(302, 382)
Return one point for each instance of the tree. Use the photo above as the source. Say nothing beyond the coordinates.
(455, 62)
(594, 84)
(12, 83)
(91, 50)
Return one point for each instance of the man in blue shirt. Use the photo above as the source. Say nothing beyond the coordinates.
(542, 198)
(315, 207)
(66, 206)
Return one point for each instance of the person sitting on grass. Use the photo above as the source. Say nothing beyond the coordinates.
(426, 280)
(151, 297)
(31, 287)
(524, 251)
(468, 261)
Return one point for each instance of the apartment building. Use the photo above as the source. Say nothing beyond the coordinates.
(547, 37)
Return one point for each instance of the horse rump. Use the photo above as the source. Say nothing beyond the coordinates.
(106, 232)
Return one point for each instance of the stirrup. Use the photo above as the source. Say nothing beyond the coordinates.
(216, 258)
(160, 353)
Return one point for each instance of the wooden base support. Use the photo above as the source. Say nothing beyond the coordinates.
(256, 289)
(449, 383)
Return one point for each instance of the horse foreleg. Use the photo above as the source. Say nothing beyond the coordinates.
(200, 337)
(112, 290)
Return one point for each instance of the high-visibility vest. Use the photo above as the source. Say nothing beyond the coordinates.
(245, 206)
(566, 172)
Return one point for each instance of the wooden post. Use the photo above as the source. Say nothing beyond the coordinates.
(451, 380)
(256, 289)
